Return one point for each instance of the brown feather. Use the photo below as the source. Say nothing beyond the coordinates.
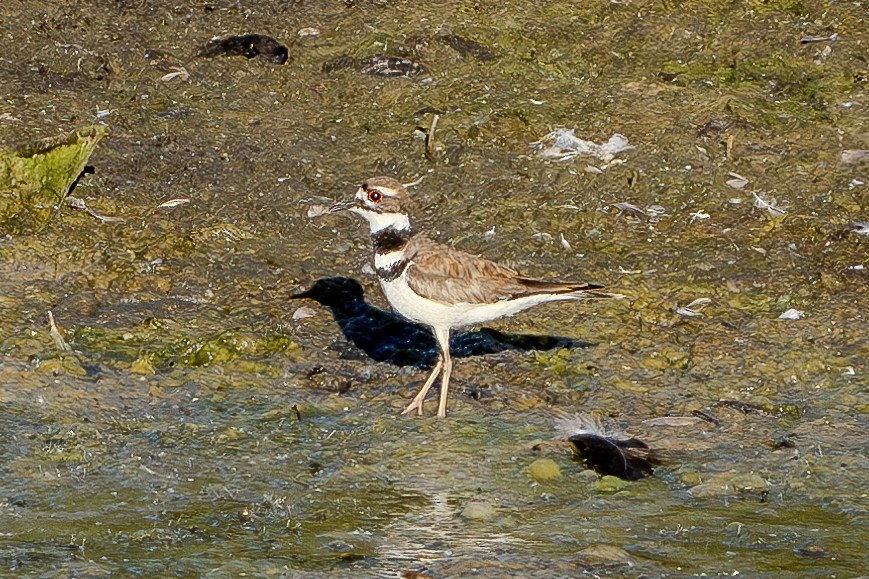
(450, 276)
(559, 287)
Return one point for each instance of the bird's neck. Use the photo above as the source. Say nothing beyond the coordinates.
(378, 222)
(391, 239)
(390, 260)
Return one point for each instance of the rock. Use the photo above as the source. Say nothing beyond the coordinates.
(478, 511)
(544, 470)
(611, 484)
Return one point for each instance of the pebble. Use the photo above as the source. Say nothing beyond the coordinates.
(544, 470)
(478, 511)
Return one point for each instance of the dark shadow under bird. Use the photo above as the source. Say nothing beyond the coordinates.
(387, 337)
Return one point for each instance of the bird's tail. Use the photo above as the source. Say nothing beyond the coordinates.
(575, 290)
(599, 294)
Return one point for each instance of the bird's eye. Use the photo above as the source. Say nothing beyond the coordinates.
(375, 195)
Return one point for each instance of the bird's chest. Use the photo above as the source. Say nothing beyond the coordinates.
(415, 307)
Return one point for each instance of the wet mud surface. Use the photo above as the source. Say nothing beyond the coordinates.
(208, 420)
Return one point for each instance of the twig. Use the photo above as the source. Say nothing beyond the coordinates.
(430, 137)
(56, 335)
(810, 39)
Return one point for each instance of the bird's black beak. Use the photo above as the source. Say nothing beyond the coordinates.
(342, 206)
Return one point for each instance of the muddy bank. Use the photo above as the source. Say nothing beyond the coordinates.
(204, 422)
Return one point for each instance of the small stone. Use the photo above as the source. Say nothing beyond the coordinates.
(544, 470)
(709, 490)
(304, 312)
(611, 484)
(749, 482)
(691, 479)
(478, 511)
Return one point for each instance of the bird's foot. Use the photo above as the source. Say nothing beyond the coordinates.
(414, 405)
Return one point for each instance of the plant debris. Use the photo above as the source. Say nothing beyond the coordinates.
(736, 181)
(770, 205)
(787, 441)
(811, 39)
(177, 72)
(859, 227)
(699, 216)
(693, 309)
(248, 46)
(792, 314)
(77, 203)
(650, 213)
(629, 209)
(388, 66)
(706, 417)
(430, 137)
(608, 453)
(173, 203)
(57, 335)
(855, 156)
(563, 145)
(744, 407)
(317, 210)
(466, 47)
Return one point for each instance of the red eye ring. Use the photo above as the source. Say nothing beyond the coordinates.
(375, 196)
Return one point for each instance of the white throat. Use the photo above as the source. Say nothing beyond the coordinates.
(380, 221)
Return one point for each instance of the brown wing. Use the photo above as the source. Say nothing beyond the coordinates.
(450, 276)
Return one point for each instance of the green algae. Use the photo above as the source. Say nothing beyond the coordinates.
(780, 86)
(35, 179)
(204, 441)
(231, 345)
(157, 346)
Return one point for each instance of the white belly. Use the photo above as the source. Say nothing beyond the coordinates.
(431, 313)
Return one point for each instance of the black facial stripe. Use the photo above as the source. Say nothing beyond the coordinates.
(390, 239)
(394, 271)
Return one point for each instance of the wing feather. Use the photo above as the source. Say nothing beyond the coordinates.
(450, 276)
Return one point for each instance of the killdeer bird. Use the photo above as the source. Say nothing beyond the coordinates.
(439, 286)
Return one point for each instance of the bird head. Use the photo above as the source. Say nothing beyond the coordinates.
(382, 201)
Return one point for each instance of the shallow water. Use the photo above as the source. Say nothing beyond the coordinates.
(198, 427)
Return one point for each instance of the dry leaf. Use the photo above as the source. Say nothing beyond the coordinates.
(792, 314)
(173, 203)
(854, 156)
